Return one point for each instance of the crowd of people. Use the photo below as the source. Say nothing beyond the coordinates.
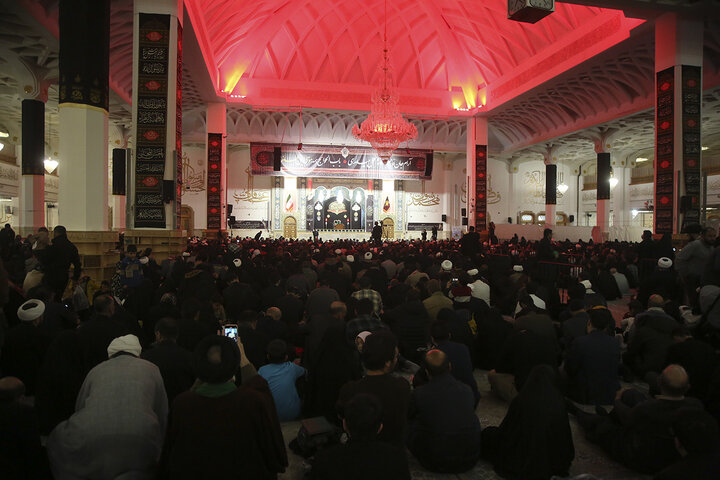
(185, 367)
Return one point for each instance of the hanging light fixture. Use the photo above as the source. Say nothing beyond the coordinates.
(385, 127)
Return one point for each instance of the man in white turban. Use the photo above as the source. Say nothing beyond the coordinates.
(118, 426)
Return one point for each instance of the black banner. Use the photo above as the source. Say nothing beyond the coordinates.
(119, 158)
(84, 52)
(603, 176)
(664, 151)
(480, 187)
(550, 184)
(151, 125)
(692, 148)
(33, 137)
(178, 129)
(214, 181)
(336, 161)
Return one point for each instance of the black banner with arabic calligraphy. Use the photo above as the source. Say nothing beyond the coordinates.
(151, 125)
(214, 181)
(337, 161)
(664, 151)
(691, 110)
(178, 129)
(480, 187)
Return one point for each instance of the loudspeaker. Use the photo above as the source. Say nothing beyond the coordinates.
(509, 219)
(231, 220)
(229, 209)
(444, 218)
(168, 191)
(550, 184)
(119, 156)
(464, 221)
(571, 218)
(463, 212)
(277, 159)
(603, 176)
(428, 164)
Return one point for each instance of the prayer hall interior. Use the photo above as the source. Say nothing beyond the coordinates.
(308, 179)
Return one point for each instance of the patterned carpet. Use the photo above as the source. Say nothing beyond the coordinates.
(589, 459)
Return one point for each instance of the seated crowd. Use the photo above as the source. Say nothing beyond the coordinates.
(184, 368)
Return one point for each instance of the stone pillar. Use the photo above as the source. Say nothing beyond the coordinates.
(83, 106)
(216, 156)
(620, 212)
(32, 187)
(476, 176)
(156, 169)
(678, 104)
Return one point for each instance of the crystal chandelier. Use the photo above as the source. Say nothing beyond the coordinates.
(385, 127)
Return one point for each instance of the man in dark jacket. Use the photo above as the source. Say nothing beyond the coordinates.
(175, 363)
(650, 340)
(411, 324)
(444, 432)
(95, 335)
(58, 258)
(592, 364)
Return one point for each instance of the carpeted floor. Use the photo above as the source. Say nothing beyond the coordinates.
(588, 457)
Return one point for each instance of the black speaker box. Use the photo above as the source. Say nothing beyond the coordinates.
(277, 159)
(428, 164)
(603, 176)
(571, 218)
(231, 220)
(463, 212)
(444, 218)
(464, 221)
(509, 219)
(168, 191)
(229, 209)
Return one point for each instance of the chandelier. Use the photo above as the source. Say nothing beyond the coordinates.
(385, 127)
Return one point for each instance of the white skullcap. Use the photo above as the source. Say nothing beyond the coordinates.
(317, 250)
(31, 310)
(446, 265)
(127, 343)
(338, 251)
(144, 260)
(665, 262)
(237, 262)
(368, 256)
(350, 259)
(537, 301)
(586, 283)
(473, 272)
(517, 268)
(363, 335)
(186, 254)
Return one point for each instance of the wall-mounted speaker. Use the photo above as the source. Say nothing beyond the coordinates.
(229, 208)
(571, 218)
(231, 220)
(463, 212)
(168, 191)
(444, 218)
(428, 164)
(464, 221)
(277, 159)
(509, 219)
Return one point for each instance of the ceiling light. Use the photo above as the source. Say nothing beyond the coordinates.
(50, 165)
(703, 148)
(562, 188)
(641, 159)
(4, 134)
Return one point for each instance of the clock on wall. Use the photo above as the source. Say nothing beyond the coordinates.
(530, 11)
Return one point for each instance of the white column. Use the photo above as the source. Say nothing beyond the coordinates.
(83, 168)
(217, 123)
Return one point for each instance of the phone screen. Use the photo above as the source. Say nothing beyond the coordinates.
(231, 331)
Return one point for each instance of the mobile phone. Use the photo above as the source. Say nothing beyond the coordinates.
(230, 330)
(455, 279)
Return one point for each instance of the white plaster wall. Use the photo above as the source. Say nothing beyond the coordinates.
(498, 192)
(194, 193)
(250, 195)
